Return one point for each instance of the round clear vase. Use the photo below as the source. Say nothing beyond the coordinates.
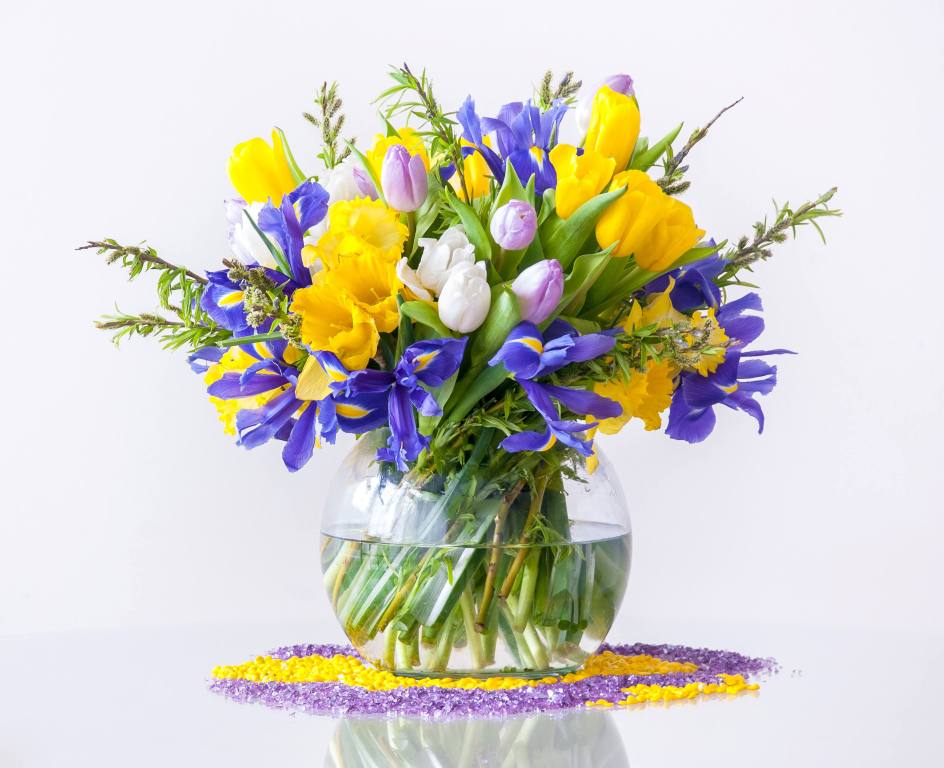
(477, 574)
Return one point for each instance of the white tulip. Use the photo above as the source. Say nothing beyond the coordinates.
(465, 298)
(441, 256)
(411, 280)
(244, 240)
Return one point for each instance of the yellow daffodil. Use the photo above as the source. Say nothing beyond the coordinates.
(644, 396)
(702, 322)
(371, 282)
(360, 226)
(237, 360)
(657, 310)
(260, 172)
(405, 136)
(335, 322)
(647, 223)
(579, 177)
(614, 126)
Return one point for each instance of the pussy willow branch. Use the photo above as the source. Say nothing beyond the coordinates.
(671, 180)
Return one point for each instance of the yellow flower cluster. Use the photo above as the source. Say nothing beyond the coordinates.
(642, 693)
(353, 298)
(236, 360)
(352, 671)
(646, 223)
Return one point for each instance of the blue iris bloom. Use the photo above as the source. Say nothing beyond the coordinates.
(733, 384)
(300, 423)
(523, 135)
(695, 284)
(402, 390)
(527, 354)
(223, 299)
(288, 225)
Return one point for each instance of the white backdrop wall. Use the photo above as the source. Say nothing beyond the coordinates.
(123, 504)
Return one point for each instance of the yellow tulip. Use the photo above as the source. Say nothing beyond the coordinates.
(405, 136)
(259, 172)
(478, 175)
(647, 223)
(335, 322)
(614, 126)
(579, 177)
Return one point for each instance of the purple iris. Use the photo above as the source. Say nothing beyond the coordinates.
(527, 354)
(733, 384)
(524, 135)
(694, 283)
(300, 423)
(423, 364)
(288, 226)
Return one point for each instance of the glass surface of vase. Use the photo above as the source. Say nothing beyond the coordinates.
(477, 574)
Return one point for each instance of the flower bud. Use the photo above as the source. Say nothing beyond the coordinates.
(614, 126)
(619, 83)
(403, 179)
(260, 172)
(514, 224)
(364, 184)
(539, 289)
(244, 239)
(466, 298)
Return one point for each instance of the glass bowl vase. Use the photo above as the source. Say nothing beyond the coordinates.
(477, 574)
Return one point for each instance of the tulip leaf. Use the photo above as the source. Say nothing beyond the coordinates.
(274, 250)
(298, 176)
(582, 325)
(547, 205)
(512, 189)
(563, 238)
(473, 227)
(532, 255)
(425, 314)
(645, 159)
(609, 282)
(476, 385)
(586, 270)
(503, 315)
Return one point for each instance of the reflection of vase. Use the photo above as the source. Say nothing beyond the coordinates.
(577, 739)
(484, 572)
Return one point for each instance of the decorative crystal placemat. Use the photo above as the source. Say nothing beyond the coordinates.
(334, 680)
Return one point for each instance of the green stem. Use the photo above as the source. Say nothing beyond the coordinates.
(537, 498)
(529, 580)
(472, 637)
(495, 554)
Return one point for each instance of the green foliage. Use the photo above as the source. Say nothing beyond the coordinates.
(503, 315)
(425, 314)
(331, 122)
(749, 251)
(179, 291)
(566, 90)
(563, 239)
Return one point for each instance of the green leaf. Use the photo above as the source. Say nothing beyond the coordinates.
(563, 238)
(474, 229)
(240, 340)
(298, 175)
(646, 157)
(512, 189)
(425, 314)
(583, 326)
(280, 261)
(547, 205)
(442, 393)
(587, 268)
(503, 315)
(476, 385)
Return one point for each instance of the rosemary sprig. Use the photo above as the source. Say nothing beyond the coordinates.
(330, 122)
(565, 91)
(748, 251)
(413, 96)
(179, 290)
(671, 181)
(264, 300)
(173, 334)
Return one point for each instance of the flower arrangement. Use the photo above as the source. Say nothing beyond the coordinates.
(483, 298)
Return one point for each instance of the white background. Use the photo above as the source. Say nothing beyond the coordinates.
(123, 504)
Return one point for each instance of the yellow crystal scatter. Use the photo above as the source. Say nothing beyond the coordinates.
(352, 671)
(639, 694)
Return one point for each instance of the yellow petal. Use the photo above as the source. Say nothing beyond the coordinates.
(313, 383)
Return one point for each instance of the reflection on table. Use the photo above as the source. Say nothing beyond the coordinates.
(578, 739)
